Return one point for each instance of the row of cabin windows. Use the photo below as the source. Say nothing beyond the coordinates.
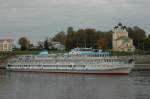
(60, 66)
(43, 65)
(102, 60)
(63, 66)
(57, 65)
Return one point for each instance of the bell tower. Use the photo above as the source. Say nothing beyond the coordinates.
(118, 32)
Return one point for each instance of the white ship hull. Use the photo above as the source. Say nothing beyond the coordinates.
(119, 70)
(95, 62)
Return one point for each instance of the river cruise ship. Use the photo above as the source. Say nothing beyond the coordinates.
(78, 60)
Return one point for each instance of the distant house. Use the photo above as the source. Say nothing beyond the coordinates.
(52, 45)
(59, 46)
(121, 41)
(6, 44)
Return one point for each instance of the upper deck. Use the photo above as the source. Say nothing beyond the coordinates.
(88, 52)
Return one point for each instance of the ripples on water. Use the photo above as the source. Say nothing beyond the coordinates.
(25, 85)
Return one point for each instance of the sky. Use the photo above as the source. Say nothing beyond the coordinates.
(37, 19)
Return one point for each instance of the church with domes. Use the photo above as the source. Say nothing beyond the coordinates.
(121, 41)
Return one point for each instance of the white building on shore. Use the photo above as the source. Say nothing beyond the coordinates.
(6, 45)
(58, 45)
(121, 41)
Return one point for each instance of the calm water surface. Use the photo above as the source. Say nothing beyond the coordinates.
(25, 85)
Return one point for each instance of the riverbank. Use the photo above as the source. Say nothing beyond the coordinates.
(142, 59)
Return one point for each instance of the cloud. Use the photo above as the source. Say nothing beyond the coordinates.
(45, 17)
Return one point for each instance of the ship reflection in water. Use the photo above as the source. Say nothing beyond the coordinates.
(25, 85)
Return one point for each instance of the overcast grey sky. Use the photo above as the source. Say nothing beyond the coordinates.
(37, 19)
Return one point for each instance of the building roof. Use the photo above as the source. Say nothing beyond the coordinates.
(43, 52)
(124, 38)
(120, 26)
(9, 40)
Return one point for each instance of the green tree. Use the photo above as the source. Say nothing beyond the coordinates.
(90, 37)
(138, 35)
(70, 30)
(24, 43)
(69, 38)
(46, 44)
(147, 44)
(60, 37)
(81, 38)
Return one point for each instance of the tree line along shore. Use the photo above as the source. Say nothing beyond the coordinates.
(91, 38)
(84, 38)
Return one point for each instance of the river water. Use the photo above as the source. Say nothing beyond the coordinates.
(27, 85)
